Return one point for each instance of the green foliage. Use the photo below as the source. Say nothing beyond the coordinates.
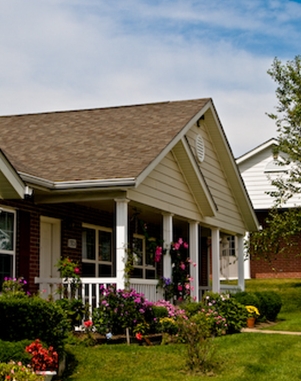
(74, 309)
(270, 304)
(195, 333)
(277, 234)
(14, 351)
(31, 318)
(288, 122)
(229, 308)
(192, 308)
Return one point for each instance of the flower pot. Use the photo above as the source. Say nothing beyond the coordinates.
(48, 374)
(251, 322)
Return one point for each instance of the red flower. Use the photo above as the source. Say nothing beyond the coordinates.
(88, 323)
(139, 336)
(76, 270)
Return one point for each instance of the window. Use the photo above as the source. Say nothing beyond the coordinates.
(97, 255)
(7, 243)
(144, 265)
(228, 246)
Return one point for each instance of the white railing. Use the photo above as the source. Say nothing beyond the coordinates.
(89, 288)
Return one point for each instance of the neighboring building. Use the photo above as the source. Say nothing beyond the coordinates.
(258, 167)
(78, 184)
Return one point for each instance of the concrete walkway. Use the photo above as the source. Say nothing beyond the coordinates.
(256, 330)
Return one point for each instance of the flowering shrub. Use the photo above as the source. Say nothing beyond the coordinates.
(228, 308)
(42, 358)
(120, 309)
(179, 287)
(172, 310)
(68, 269)
(70, 272)
(18, 372)
(14, 287)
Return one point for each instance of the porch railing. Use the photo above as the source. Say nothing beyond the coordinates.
(89, 289)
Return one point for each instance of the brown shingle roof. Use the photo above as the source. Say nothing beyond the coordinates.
(104, 143)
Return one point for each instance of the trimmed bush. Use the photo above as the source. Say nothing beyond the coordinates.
(32, 318)
(14, 351)
(271, 304)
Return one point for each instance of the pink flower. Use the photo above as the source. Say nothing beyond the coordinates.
(182, 266)
(180, 241)
(185, 245)
(180, 288)
(158, 254)
(76, 270)
(176, 246)
(187, 286)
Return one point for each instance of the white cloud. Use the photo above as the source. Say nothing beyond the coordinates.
(82, 54)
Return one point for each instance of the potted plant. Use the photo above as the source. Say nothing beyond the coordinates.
(43, 361)
(253, 313)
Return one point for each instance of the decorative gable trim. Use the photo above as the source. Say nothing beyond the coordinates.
(195, 179)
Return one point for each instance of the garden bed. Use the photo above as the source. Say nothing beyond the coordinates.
(154, 339)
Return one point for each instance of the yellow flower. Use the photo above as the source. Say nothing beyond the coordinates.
(252, 311)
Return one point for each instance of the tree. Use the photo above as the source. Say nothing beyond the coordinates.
(288, 122)
(283, 223)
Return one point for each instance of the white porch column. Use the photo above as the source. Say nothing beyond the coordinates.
(247, 262)
(194, 256)
(167, 238)
(121, 239)
(241, 264)
(215, 246)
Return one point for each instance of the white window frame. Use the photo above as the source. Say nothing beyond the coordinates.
(13, 251)
(96, 261)
(144, 266)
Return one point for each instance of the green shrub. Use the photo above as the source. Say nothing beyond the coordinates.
(159, 312)
(192, 308)
(14, 351)
(32, 318)
(251, 299)
(229, 308)
(195, 332)
(271, 304)
(74, 309)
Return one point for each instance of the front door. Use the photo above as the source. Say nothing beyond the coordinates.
(50, 247)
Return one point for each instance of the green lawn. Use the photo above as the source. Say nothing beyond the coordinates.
(289, 318)
(239, 357)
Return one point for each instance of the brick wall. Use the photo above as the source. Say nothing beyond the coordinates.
(287, 264)
(28, 232)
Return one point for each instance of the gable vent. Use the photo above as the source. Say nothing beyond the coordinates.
(200, 148)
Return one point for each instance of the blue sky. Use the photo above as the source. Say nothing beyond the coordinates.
(74, 54)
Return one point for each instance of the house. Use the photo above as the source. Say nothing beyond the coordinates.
(258, 168)
(87, 183)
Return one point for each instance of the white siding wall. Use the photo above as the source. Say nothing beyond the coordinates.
(258, 183)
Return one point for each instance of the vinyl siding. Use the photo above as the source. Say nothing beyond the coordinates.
(258, 183)
(228, 217)
(165, 188)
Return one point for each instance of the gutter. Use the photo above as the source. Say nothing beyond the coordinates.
(77, 185)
